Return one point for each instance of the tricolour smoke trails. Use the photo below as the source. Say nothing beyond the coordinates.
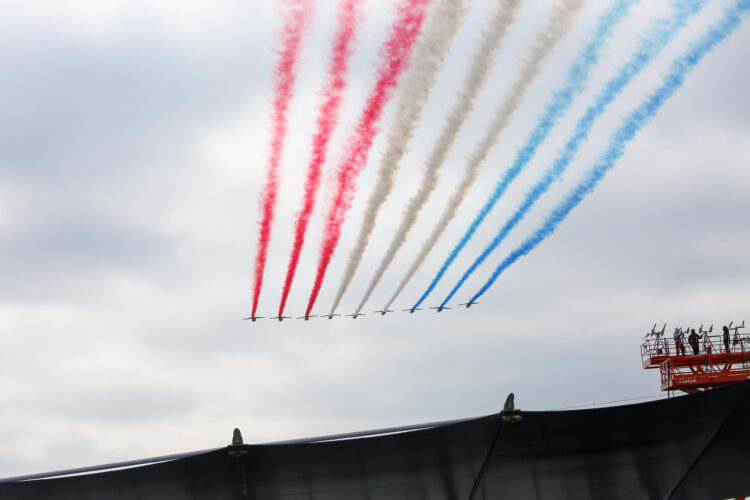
(394, 57)
(430, 51)
(556, 26)
(297, 14)
(481, 62)
(632, 124)
(328, 114)
(658, 36)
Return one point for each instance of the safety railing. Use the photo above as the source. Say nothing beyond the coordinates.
(656, 349)
(711, 371)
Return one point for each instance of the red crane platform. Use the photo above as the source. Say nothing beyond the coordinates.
(709, 361)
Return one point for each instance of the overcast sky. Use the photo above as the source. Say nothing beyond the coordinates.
(133, 138)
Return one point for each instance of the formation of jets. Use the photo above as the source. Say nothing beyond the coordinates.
(382, 312)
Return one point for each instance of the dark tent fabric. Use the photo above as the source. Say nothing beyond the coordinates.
(694, 446)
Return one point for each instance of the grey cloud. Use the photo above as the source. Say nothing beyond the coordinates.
(73, 246)
(123, 403)
(74, 108)
(86, 125)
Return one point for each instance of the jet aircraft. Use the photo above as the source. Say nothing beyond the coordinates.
(253, 318)
(354, 316)
(307, 318)
(281, 318)
(468, 304)
(440, 308)
(330, 316)
(383, 311)
(411, 311)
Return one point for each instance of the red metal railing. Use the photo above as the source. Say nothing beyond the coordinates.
(713, 362)
(656, 350)
(701, 376)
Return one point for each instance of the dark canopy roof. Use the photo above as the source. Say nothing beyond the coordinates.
(688, 447)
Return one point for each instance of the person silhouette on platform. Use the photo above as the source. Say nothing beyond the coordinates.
(706, 343)
(693, 341)
(679, 342)
(726, 339)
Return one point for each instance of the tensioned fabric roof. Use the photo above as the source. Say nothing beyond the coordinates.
(694, 446)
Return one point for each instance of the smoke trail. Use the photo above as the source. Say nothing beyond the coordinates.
(631, 125)
(394, 57)
(481, 63)
(429, 55)
(556, 26)
(297, 14)
(328, 114)
(658, 36)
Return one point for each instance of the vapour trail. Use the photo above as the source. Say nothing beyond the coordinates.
(297, 14)
(557, 25)
(394, 57)
(481, 62)
(442, 22)
(632, 124)
(328, 114)
(658, 36)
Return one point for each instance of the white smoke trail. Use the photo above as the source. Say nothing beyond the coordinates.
(429, 55)
(557, 25)
(489, 43)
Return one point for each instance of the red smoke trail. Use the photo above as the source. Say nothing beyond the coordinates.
(297, 13)
(394, 56)
(327, 119)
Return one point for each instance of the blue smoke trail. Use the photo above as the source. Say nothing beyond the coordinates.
(658, 36)
(562, 98)
(632, 124)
